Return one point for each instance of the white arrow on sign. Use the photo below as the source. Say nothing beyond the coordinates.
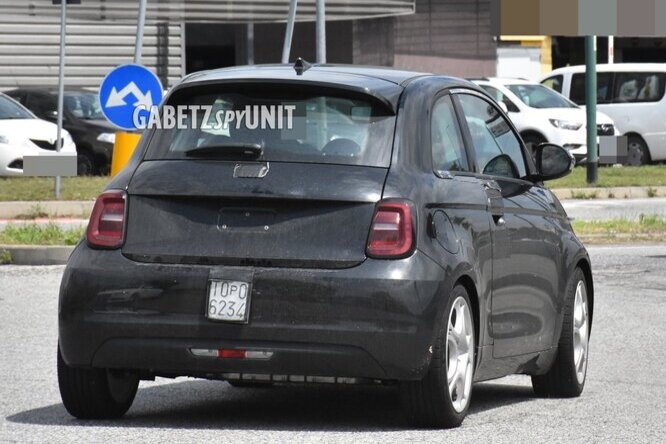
(117, 98)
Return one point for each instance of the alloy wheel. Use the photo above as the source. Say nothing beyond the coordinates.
(580, 331)
(460, 354)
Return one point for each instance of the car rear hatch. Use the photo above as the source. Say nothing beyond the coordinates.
(305, 201)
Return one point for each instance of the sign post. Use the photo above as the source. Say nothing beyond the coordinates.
(291, 18)
(141, 24)
(321, 31)
(61, 87)
(591, 108)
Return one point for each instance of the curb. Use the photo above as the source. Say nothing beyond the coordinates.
(609, 193)
(38, 254)
(50, 208)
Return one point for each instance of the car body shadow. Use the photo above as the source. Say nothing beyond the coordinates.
(197, 404)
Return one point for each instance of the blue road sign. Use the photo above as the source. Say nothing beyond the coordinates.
(126, 88)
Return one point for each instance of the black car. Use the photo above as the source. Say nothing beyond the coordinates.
(83, 118)
(397, 232)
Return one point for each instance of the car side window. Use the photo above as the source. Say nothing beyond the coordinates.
(604, 84)
(554, 83)
(494, 141)
(448, 149)
(18, 96)
(42, 105)
(633, 87)
(500, 98)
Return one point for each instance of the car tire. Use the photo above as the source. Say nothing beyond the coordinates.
(532, 141)
(430, 402)
(566, 377)
(96, 393)
(85, 164)
(637, 152)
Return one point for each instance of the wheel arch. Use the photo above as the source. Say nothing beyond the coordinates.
(586, 268)
(468, 283)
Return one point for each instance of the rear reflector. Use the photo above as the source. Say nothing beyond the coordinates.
(231, 353)
(392, 232)
(106, 228)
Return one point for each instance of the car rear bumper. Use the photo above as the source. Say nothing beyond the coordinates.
(375, 320)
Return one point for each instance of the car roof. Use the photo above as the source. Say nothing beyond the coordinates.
(383, 83)
(287, 71)
(503, 81)
(615, 67)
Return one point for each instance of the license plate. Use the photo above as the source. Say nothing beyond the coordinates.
(228, 300)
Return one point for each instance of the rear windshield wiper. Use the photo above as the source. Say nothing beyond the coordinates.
(245, 150)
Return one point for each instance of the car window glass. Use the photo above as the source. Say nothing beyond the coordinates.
(632, 87)
(540, 97)
(83, 105)
(12, 110)
(554, 83)
(448, 151)
(500, 98)
(42, 105)
(18, 96)
(604, 88)
(334, 129)
(491, 134)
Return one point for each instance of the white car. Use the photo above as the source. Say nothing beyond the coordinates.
(633, 94)
(21, 133)
(541, 115)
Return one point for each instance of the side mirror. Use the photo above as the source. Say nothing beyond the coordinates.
(52, 115)
(553, 162)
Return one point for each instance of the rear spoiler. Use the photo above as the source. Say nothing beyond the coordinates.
(386, 97)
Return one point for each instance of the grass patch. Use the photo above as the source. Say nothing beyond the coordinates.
(41, 188)
(35, 212)
(645, 176)
(33, 234)
(5, 257)
(649, 228)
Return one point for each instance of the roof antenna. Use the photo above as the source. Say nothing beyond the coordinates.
(301, 66)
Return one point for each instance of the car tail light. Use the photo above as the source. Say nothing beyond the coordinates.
(106, 228)
(392, 231)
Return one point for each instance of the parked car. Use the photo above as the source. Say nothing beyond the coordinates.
(420, 249)
(21, 133)
(93, 134)
(632, 94)
(543, 116)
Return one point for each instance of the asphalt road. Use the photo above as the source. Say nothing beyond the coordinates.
(624, 399)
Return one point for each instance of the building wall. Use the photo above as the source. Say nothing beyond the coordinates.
(451, 37)
(268, 40)
(29, 51)
(374, 42)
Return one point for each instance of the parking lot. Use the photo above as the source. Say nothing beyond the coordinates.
(623, 398)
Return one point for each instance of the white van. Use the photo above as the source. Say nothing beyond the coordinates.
(632, 94)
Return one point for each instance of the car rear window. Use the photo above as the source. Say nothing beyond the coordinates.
(326, 125)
